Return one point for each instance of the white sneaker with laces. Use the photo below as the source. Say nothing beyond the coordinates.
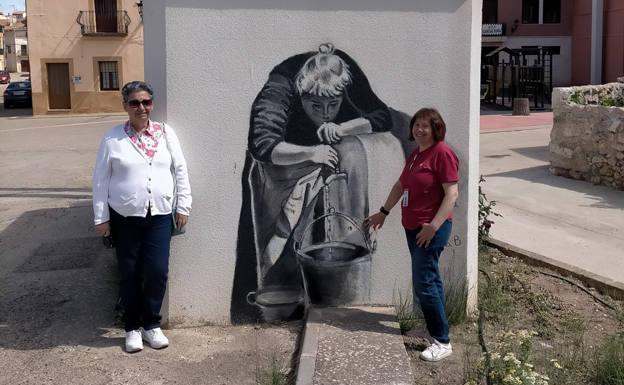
(155, 338)
(134, 343)
(436, 352)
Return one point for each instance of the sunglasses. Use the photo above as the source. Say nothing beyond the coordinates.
(136, 103)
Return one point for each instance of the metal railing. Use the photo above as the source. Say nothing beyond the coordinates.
(94, 23)
(496, 29)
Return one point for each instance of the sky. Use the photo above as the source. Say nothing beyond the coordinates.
(6, 6)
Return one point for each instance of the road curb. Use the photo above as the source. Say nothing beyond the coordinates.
(604, 285)
(309, 348)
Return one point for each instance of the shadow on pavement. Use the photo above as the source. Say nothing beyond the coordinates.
(537, 152)
(14, 112)
(29, 192)
(604, 197)
(58, 282)
(358, 320)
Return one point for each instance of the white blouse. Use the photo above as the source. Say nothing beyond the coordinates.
(129, 182)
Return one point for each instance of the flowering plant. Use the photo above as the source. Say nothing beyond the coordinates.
(508, 362)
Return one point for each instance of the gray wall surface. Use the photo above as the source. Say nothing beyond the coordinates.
(209, 60)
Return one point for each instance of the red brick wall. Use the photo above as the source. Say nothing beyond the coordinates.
(613, 65)
(613, 41)
(510, 10)
(581, 42)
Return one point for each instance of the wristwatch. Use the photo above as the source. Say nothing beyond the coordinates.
(384, 211)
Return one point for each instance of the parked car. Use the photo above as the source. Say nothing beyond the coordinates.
(18, 93)
(4, 77)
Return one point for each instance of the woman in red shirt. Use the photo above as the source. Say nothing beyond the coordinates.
(427, 189)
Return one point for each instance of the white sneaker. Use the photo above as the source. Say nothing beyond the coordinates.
(133, 341)
(436, 352)
(155, 338)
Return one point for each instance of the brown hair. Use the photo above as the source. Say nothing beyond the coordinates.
(438, 127)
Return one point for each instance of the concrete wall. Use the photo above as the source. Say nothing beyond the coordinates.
(55, 37)
(208, 60)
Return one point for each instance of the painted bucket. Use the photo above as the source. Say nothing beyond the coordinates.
(276, 303)
(336, 272)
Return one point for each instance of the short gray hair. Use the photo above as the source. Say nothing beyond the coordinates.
(135, 86)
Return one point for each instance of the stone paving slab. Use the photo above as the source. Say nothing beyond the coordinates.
(355, 345)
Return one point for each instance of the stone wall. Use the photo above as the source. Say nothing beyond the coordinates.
(587, 139)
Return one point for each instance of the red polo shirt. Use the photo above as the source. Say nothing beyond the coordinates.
(422, 180)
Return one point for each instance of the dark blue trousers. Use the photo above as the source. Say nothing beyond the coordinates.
(427, 281)
(142, 246)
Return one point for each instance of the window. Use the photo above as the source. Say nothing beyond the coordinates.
(24, 49)
(541, 11)
(530, 11)
(109, 76)
(552, 11)
(490, 11)
(8, 49)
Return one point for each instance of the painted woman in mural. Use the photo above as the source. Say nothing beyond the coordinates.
(297, 145)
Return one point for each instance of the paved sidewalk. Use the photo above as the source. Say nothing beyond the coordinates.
(573, 223)
(507, 122)
(356, 345)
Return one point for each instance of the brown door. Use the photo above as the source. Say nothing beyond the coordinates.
(106, 15)
(25, 66)
(58, 86)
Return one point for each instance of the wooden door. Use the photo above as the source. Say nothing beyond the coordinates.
(58, 86)
(106, 15)
(25, 66)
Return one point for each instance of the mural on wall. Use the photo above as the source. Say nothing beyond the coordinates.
(305, 188)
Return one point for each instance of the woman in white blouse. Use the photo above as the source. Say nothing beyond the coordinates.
(138, 164)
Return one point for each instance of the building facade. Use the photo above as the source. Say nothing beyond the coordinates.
(2, 61)
(81, 54)
(16, 49)
(574, 31)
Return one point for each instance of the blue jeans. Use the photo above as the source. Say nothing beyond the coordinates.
(142, 246)
(427, 281)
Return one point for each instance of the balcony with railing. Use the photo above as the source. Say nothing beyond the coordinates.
(23, 53)
(493, 32)
(94, 23)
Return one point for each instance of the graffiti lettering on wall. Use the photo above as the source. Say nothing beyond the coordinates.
(305, 188)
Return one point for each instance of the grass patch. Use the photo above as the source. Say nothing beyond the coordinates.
(274, 374)
(455, 301)
(496, 301)
(404, 309)
(608, 365)
(567, 361)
